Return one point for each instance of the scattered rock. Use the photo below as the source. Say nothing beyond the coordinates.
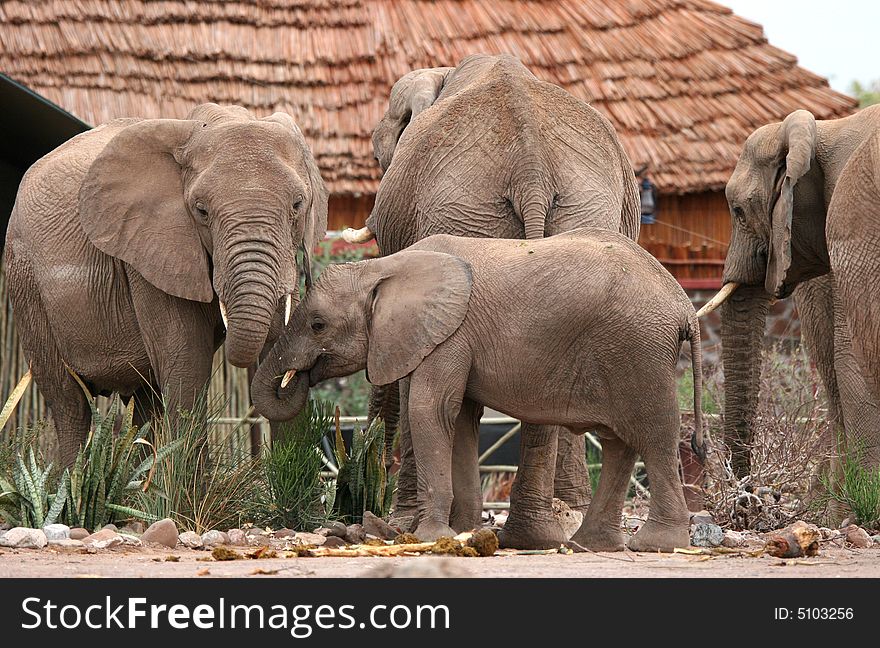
(135, 527)
(237, 537)
(191, 539)
(857, 537)
(334, 528)
(55, 532)
(733, 539)
(5, 526)
(500, 519)
(103, 539)
(355, 534)
(130, 540)
(24, 538)
(485, 542)
(112, 527)
(284, 533)
(702, 517)
(214, 538)
(255, 531)
(67, 543)
(163, 532)
(378, 527)
(334, 542)
(304, 538)
(568, 519)
(78, 533)
(876, 539)
(427, 568)
(706, 535)
(260, 540)
(794, 541)
(829, 534)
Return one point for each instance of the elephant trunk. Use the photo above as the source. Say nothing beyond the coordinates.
(253, 276)
(273, 401)
(743, 318)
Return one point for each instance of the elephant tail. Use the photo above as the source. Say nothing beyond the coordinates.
(534, 217)
(692, 332)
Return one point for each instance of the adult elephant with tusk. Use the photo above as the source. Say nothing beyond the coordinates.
(487, 150)
(779, 197)
(135, 248)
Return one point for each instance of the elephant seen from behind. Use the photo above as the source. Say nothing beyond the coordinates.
(485, 149)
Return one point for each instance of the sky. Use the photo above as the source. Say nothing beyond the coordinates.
(837, 39)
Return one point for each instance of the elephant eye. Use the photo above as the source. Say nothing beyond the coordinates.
(739, 214)
(318, 326)
(201, 210)
(298, 204)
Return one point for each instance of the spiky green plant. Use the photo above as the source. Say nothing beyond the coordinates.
(292, 466)
(363, 484)
(27, 500)
(196, 481)
(108, 469)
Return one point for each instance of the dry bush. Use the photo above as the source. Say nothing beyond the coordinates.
(789, 450)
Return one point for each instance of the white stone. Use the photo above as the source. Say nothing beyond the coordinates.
(56, 532)
(130, 540)
(24, 538)
(191, 539)
(304, 538)
(213, 538)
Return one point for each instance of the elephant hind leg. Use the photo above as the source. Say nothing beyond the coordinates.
(571, 482)
(600, 530)
(667, 524)
(67, 402)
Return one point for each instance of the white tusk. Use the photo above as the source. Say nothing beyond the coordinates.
(288, 304)
(725, 292)
(223, 315)
(350, 235)
(287, 378)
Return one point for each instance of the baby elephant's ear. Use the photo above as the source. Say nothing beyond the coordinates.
(420, 298)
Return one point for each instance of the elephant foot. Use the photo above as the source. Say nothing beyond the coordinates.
(653, 537)
(430, 530)
(534, 534)
(404, 518)
(604, 539)
(464, 522)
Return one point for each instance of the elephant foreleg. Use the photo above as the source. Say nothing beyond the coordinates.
(467, 501)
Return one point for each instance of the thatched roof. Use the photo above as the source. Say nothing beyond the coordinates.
(683, 81)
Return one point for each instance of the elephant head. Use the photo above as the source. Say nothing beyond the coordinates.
(385, 315)
(413, 93)
(777, 204)
(216, 203)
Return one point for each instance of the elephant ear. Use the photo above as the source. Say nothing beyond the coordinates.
(131, 206)
(413, 93)
(419, 299)
(314, 227)
(797, 137)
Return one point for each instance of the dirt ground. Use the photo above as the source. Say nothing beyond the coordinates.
(833, 562)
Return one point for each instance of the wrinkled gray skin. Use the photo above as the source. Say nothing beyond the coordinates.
(431, 315)
(779, 196)
(487, 150)
(123, 241)
(853, 230)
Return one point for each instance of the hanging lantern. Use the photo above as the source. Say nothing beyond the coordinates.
(647, 198)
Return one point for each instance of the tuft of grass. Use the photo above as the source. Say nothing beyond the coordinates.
(296, 497)
(195, 482)
(362, 484)
(857, 487)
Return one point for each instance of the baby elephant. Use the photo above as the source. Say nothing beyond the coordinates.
(582, 330)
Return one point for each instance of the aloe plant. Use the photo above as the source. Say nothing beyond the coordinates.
(362, 484)
(26, 501)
